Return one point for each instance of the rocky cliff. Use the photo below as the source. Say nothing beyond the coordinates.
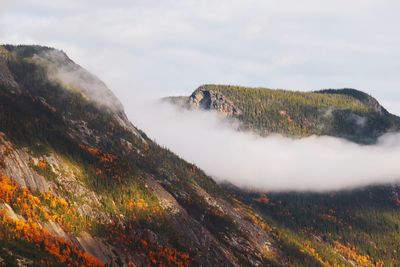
(206, 99)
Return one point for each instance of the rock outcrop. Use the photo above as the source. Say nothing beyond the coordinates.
(206, 99)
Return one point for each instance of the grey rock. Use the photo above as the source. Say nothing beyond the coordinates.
(206, 99)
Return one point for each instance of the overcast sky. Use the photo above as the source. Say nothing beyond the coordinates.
(170, 47)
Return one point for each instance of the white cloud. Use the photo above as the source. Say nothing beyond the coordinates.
(273, 163)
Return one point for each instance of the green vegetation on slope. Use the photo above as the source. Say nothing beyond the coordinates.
(358, 222)
(346, 113)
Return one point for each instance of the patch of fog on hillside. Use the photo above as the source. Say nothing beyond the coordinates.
(74, 77)
(273, 163)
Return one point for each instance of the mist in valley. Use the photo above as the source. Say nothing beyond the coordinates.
(273, 163)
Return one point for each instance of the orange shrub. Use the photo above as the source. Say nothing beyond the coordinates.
(42, 164)
(349, 252)
(35, 207)
(65, 252)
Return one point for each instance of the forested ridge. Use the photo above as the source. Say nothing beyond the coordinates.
(346, 113)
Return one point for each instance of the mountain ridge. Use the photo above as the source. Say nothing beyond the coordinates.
(346, 113)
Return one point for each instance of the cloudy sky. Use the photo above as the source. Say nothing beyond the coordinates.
(148, 47)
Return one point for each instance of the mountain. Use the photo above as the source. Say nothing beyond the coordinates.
(80, 185)
(360, 226)
(345, 113)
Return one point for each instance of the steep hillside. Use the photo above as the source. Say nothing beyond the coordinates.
(80, 185)
(346, 113)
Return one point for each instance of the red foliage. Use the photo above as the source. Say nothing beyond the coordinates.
(35, 208)
(92, 150)
(42, 164)
(65, 252)
(262, 199)
(126, 238)
(107, 163)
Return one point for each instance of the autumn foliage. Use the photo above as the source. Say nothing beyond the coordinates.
(63, 251)
(138, 204)
(44, 206)
(106, 164)
(125, 237)
(350, 252)
(42, 164)
(33, 209)
(103, 157)
(308, 249)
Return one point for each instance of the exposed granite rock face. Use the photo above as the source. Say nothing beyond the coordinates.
(206, 99)
(10, 212)
(98, 248)
(56, 230)
(14, 163)
(209, 251)
(256, 239)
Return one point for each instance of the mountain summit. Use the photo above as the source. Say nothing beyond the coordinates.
(346, 113)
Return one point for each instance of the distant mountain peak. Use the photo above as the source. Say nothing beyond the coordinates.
(347, 113)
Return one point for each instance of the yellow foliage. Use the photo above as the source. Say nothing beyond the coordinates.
(31, 206)
(139, 204)
(350, 253)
